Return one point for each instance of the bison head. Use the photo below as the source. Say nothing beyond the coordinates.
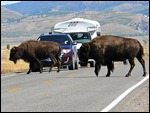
(84, 53)
(14, 54)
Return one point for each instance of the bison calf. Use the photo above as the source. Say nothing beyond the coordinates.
(107, 49)
(33, 51)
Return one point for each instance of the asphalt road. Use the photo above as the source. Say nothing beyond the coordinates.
(135, 101)
(77, 90)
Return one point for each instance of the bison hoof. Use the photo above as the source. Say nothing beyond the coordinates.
(50, 70)
(28, 72)
(96, 73)
(58, 71)
(127, 75)
(107, 75)
(144, 74)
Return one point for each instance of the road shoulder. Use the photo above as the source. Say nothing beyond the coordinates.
(135, 101)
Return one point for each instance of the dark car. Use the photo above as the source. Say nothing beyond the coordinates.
(69, 55)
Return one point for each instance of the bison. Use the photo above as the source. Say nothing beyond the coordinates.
(107, 49)
(33, 51)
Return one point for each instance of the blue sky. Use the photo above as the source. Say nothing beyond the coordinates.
(8, 2)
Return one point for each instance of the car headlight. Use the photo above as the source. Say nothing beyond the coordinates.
(65, 51)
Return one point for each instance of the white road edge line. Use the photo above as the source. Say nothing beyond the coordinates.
(117, 100)
(4, 76)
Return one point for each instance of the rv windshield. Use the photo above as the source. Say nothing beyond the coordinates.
(80, 37)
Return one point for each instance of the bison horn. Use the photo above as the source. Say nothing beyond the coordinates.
(14, 48)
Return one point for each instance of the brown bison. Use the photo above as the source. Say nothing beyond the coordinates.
(33, 51)
(107, 49)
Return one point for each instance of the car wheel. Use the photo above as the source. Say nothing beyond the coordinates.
(35, 68)
(64, 67)
(92, 64)
(83, 64)
(76, 65)
(72, 66)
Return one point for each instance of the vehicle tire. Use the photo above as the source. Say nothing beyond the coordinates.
(76, 65)
(36, 70)
(83, 64)
(72, 66)
(64, 67)
(92, 64)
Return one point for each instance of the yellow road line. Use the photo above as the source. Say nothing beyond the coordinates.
(71, 75)
(85, 71)
(48, 81)
(14, 89)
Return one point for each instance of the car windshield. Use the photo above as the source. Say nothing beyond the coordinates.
(61, 39)
(80, 37)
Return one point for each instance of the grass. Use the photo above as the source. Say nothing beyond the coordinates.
(8, 66)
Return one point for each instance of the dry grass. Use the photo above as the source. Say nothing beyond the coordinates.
(8, 66)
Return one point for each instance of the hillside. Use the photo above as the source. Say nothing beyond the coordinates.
(117, 23)
(44, 7)
(9, 15)
(28, 19)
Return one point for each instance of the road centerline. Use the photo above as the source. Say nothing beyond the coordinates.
(14, 89)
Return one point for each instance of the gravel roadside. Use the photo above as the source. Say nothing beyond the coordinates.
(135, 101)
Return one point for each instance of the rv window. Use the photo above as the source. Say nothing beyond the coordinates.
(80, 37)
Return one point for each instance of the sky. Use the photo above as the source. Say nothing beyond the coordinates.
(8, 2)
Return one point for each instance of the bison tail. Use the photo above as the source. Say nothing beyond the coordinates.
(111, 66)
(141, 51)
(59, 52)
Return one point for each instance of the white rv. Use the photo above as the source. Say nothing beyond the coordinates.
(81, 30)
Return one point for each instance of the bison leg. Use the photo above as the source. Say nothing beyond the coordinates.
(40, 64)
(110, 67)
(141, 60)
(53, 63)
(132, 64)
(50, 69)
(58, 65)
(30, 67)
(97, 67)
(58, 62)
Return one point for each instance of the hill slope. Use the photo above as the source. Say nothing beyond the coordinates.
(124, 24)
(9, 15)
(40, 7)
